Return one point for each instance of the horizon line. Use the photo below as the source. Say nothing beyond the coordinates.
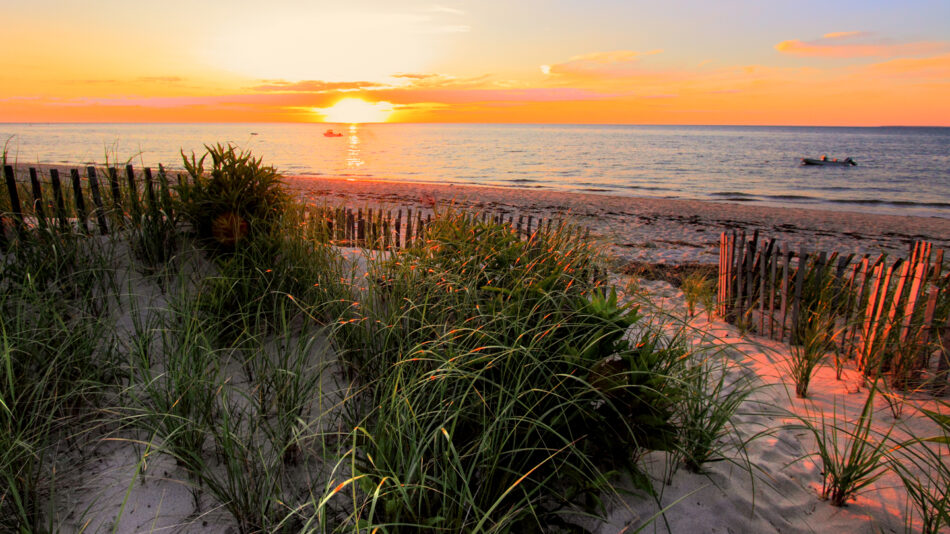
(488, 124)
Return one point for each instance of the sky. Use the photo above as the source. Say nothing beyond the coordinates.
(757, 62)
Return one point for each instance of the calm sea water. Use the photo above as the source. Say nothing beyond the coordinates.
(900, 170)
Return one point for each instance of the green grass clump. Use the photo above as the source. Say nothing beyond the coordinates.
(705, 412)
(55, 373)
(502, 388)
(237, 198)
(817, 340)
(851, 457)
(697, 289)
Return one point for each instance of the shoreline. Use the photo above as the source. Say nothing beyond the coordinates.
(659, 230)
(634, 229)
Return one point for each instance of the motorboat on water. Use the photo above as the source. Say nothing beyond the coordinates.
(846, 162)
(331, 133)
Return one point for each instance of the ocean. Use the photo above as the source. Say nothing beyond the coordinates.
(904, 171)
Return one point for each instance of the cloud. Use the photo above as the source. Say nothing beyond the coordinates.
(408, 96)
(160, 79)
(843, 35)
(415, 76)
(435, 8)
(312, 86)
(615, 63)
(929, 68)
(854, 44)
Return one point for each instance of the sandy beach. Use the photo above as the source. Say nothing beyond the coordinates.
(769, 484)
(657, 230)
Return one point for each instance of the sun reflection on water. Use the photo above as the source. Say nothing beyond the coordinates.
(353, 157)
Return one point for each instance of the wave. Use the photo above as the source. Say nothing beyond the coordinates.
(804, 198)
(876, 202)
(730, 194)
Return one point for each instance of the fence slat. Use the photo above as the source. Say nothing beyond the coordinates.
(876, 323)
(730, 288)
(58, 200)
(133, 193)
(10, 177)
(750, 274)
(763, 274)
(848, 310)
(39, 210)
(773, 268)
(116, 193)
(920, 274)
(150, 190)
(398, 243)
(740, 274)
(797, 299)
(938, 265)
(892, 314)
(80, 201)
(97, 200)
(720, 271)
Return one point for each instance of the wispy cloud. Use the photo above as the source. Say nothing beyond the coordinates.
(856, 44)
(435, 8)
(312, 86)
(611, 64)
(924, 69)
(160, 79)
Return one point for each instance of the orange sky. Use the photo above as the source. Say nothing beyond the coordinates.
(604, 61)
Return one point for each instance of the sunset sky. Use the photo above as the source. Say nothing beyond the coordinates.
(868, 62)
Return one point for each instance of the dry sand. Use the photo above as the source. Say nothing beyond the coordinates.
(782, 493)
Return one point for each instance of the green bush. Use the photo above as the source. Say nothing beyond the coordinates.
(239, 197)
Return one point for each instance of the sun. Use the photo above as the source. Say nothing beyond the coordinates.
(356, 110)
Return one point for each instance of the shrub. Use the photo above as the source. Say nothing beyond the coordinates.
(239, 197)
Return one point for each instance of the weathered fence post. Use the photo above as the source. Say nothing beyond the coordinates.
(133, 193)
(80, 201)
(39, 210)
(10, 176)
(97, 200)
(60, 203)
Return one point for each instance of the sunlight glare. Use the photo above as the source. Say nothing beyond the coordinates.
(355, 110)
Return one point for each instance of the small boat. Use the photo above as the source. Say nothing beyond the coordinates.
(331, 133)
(846, 162)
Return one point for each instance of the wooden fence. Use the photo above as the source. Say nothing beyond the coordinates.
(135, 193)
(887, 315)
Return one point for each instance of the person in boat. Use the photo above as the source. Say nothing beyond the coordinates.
(824, 157)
